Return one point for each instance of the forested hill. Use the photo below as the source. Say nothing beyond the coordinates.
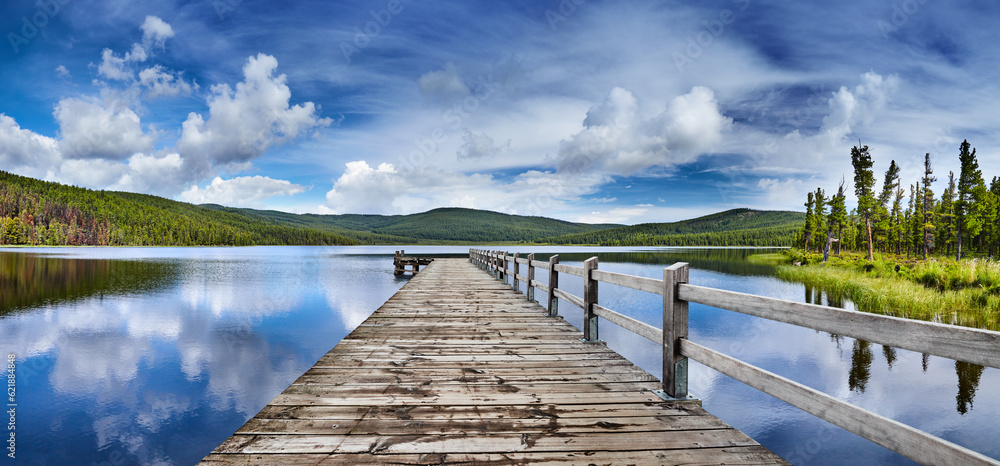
(737, 227)
(43, 213)
(444, 224)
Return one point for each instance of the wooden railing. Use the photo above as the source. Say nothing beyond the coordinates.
(965, 344)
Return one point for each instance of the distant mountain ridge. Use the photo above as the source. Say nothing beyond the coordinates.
(441, 224)
(44, 213)
(736, 227)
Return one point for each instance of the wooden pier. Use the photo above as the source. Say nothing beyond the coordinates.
(400, 262)
(457, 367)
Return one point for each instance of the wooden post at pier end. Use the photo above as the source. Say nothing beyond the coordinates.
(530, 292)
(553, 285)
(675, 328)
(590, 333)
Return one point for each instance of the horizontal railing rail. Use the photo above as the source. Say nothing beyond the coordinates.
(960, 343)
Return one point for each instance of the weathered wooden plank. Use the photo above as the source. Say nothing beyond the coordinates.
(947, 341)
(486, 370)
(416, 348)
(901, 438)
(471, 426)
(572, 299)
(430, 412)
(540, 286)
(635, 326)
(502, 386)
(563, 268)
(494, 443)
(708, 456)
(650, 285)
(422, 398)
(345, 378)
(376, 359)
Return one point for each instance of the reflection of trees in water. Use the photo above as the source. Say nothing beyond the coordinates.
(861, 362)
(861, 359)
(968, 382)
(29, 280)
(890, 355)
(861, 366)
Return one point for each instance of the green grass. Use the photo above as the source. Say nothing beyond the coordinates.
(963, 293)
(776, 258)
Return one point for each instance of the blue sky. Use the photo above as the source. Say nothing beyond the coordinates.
(588, 111)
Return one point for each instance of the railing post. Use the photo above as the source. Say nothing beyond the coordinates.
(590, 334)
(517, 269)
(553, 284)
(675, 327)
(531, 277)
(505, 262)
(496, 265)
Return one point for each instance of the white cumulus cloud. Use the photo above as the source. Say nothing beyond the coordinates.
(616, 140)
(386, 189)
(244, 122)
(159, 81)
(243, 191)
(155, 31)
(25, 151)
(94, 129)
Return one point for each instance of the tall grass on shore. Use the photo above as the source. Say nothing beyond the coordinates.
(963, 293)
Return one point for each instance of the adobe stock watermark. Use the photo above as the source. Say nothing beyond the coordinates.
(711, 30)
(565, 9)
(900, 15)
(45, 10)
(488, 85)
(818, 101)
(363, 37)
(225, 7)
(11, 437)
(94, 138)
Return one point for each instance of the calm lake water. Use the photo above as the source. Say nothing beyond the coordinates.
(156, 355)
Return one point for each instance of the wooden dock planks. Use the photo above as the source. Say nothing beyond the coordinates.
(458, 368)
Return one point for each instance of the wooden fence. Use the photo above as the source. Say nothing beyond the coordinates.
(948, 341)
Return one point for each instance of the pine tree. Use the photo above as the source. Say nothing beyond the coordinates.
(971, 187)
(946, 215)
(883, 220)
(836, 219)
(807, 230)
(898, 226)
(819, 216)
(864, 181)
(927, 207)
(913, 224)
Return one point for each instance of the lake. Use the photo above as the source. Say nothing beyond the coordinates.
(157, 355)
